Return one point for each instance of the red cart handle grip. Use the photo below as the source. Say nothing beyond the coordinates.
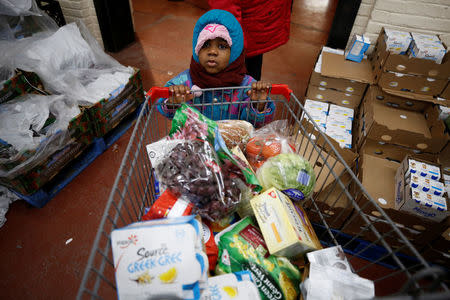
(281, 89)
(163, 92)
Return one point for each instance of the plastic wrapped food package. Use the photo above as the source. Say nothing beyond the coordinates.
(191, 169)
(268, 141)
(235, 132)
(242, 248)
(290, 173)
(33, 123)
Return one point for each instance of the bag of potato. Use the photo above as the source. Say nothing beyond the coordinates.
(242, 248)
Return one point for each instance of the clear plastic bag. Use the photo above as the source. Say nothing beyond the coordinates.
(23, 18)
(191, 169)
(235, 132)
(267, 142)
(54, 55)
(32, 127)
(90, 85)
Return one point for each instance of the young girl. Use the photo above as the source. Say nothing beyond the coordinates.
(218, 61)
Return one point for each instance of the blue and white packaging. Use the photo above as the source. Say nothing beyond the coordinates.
(397, 42)
(427, 48)
(344, 139)
(340, 111)
(160, 259)
(339, 124)
(233, 286)
(424, 204)
(357, 47)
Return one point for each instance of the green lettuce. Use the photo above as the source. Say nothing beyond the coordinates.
(287, 171)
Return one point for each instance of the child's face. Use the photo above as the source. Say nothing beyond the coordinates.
(214, 55)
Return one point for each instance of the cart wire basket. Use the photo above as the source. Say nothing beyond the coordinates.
(378, 251)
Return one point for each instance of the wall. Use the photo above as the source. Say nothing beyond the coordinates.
(426, 16)
(83, 10)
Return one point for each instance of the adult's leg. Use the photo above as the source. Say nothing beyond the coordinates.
(254, 66)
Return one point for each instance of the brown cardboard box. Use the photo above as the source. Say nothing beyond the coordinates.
(444, 159)
(418, 97)
(340, 84)
(393, 152)
(388, 99)
(403, 198)
(333, 96)
(377, 175)
(336, 66)
(383, 61)
(412, 83)
(446, 93)
(421, 131)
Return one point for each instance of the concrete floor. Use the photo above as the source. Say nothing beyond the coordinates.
(36, 260)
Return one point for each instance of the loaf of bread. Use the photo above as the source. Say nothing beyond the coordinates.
(235, 132)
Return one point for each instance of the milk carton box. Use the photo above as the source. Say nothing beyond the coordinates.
(397, 42)
(344, 139)
(419, 182)
(427, 50)
(437, 188)
(424, 204)
(338, 124)
(340, 111)
(425, 37)
(357, 47)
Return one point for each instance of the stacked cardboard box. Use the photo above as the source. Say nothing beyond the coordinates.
(414, 76)
(337, 80)
(395, 121)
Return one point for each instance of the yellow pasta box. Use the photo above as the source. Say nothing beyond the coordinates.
(285, 227)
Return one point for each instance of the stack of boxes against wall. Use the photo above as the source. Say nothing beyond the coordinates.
(395, 115)
(94, 121)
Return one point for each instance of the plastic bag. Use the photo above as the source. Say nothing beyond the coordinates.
(23, 18)
(242, 248)
(189, 123)
(268, 141)
(235, 132)
(191, 169)
(70, 48)
(15, 7)
(90, 85)
(289, 173)
(31, 128)
(6, 198)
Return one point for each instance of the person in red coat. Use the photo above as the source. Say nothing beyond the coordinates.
(266, 26)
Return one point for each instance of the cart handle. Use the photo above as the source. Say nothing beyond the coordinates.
(163, 92)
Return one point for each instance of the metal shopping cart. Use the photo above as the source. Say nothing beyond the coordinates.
(339, 202)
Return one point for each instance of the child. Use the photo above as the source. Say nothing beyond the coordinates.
(218, 61)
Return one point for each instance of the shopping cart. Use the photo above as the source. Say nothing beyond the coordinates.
(389, 259)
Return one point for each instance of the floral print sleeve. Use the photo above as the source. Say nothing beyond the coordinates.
(183, 78)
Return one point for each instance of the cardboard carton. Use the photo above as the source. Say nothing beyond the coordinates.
(334, 71)
(446, 93)
(333, 96)
(415, 201)
(377, 175)
(382, 61)
(420, 131)
(411, 83)
(391, 100)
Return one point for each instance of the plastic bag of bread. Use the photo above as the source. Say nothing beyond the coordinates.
(235, 132)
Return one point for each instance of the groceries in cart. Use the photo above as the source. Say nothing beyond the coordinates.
(236, 286)
(219, 31)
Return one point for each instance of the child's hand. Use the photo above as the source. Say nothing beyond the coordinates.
(180, 94)
(259, 91)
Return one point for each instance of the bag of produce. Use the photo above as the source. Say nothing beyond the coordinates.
(191, 170)
(267, 142)
(289, 173)
(242, 248)
(188, 123)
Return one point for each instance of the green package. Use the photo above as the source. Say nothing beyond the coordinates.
(188, 123)
(243, 248)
